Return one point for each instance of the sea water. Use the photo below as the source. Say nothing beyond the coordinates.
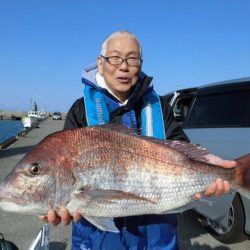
(9, 128)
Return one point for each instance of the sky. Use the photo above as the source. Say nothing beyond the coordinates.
(44, 44)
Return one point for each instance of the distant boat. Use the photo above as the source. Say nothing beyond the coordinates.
(36, 114)
(29, 121)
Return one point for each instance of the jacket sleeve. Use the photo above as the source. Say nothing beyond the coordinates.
(76, 117)
(172, 128)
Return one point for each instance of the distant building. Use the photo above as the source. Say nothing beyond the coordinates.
(34, 108)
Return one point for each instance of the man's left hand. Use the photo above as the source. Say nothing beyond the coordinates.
(220, 186)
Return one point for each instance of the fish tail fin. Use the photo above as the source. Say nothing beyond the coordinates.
(242, 175)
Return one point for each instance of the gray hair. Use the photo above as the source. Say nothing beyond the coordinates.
(116, 33)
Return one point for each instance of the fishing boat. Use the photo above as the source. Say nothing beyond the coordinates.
(29, 121)
(38, 115)
(34, 117)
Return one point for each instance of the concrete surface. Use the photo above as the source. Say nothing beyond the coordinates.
(22, 229)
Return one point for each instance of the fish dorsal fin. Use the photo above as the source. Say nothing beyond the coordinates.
(193, 151)
(119, 128)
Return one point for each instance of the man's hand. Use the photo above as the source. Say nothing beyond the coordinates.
(63, 216)
(220, 186)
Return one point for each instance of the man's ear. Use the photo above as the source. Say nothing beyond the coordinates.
(100, 65)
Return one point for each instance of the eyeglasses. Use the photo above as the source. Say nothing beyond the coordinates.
(117, 60)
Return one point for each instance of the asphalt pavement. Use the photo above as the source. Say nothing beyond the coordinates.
(22, 229)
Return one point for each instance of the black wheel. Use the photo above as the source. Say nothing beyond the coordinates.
(236, 223)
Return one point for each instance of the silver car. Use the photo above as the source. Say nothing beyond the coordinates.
(217, 116)
(57, 116)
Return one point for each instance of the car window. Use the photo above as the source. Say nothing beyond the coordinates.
(229, 109)
(181, 107)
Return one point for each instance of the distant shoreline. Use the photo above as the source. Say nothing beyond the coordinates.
(12, 115)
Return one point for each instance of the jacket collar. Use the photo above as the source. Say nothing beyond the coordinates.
(143, 84)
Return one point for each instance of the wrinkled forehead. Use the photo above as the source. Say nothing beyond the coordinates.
(123, 43)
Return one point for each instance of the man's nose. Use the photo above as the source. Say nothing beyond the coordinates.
(124, 65)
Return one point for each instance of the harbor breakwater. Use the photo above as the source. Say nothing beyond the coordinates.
(12, 115)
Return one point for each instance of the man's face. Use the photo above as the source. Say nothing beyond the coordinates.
(120, 78)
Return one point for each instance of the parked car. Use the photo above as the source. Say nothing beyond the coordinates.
(218, 118)
(57, 116)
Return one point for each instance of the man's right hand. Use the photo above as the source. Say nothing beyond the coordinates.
(63, 216)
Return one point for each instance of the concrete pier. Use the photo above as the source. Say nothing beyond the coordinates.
(12, 115)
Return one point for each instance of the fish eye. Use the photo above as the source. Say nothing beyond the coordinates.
(35, 168)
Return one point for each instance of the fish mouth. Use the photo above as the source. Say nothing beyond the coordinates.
(1, 193)
(16, 203)
(5, 197)
(6, 202)
(8, 197)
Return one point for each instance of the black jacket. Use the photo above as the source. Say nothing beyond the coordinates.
(76, 118)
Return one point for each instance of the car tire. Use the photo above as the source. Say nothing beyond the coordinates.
(236, 223)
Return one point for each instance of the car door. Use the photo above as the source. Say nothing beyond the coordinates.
(219, 119)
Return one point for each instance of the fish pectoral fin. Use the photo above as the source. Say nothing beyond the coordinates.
(104, 224)
(108, 195)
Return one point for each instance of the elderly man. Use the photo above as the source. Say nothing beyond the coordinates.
(119, 92)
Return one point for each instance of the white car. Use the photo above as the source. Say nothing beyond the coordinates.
(57, 116)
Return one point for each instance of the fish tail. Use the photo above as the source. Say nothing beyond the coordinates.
(242, 175)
